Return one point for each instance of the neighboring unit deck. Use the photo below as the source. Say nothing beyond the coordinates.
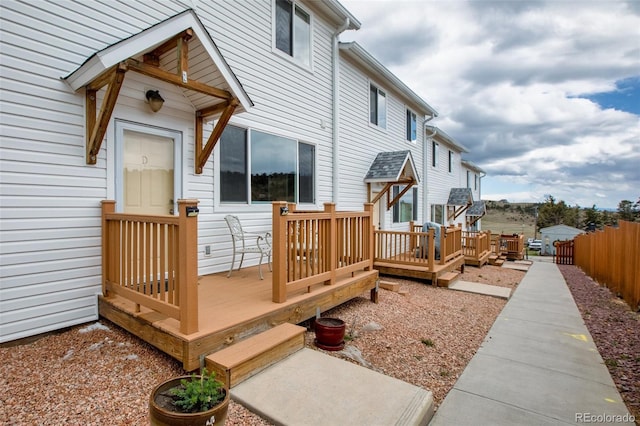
(418, 270)
(231, 309)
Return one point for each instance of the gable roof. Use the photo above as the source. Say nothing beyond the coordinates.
(472, 166)
(478, 208)
(392, 166)
(561, 228)
(363, 58)
(209, 67)
(460, 197)
(442, 136)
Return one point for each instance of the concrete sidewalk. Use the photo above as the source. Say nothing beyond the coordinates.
(538, 365)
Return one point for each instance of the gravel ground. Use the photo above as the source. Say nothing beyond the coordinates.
(615, 330)
(98, 374)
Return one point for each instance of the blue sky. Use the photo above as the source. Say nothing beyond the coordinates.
(546, 94)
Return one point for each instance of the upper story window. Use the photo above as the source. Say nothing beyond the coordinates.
(450, 161)
(434, 153)
(293, 31)
(257, 167)
(406, 209)
(377, 107)
(468, 179)
(412, 131)
(475, 181)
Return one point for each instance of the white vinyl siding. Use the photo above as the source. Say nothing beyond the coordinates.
(50, 251)
(360, 142)
(444, 176)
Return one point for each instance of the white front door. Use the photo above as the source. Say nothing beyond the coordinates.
(149, 169)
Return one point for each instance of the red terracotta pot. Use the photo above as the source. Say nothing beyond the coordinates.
(330, 333)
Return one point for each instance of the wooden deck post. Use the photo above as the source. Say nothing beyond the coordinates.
(333, 242)
(432, 249)
(369, 238)
(188, 267)
(279, 252)
(108, 206)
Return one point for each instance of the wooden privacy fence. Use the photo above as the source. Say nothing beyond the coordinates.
(312, 247)
(612, 258)
(564, 252)
(153, 261)
(418, 248)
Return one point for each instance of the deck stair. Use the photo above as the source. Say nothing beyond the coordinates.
(497, 260)
(447, 278)
(242, 360)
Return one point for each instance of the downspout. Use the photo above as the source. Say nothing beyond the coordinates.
(335, 74)
(425, 162)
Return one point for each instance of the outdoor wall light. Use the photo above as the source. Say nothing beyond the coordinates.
(154, 99)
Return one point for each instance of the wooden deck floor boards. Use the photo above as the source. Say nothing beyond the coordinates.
(230, 309)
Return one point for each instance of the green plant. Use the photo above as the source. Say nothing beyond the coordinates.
(611, 362)
(200, 393)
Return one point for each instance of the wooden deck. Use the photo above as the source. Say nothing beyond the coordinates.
(419, 271)
(231, 309)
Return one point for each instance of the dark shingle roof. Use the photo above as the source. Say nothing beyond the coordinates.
(389, 167)
(478, 208)
(460, 197)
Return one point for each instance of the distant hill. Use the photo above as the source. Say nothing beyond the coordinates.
(504, 217)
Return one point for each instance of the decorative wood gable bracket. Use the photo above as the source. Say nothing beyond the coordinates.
(474, 220)
(454, 211)
(409, 182)
(150, 66)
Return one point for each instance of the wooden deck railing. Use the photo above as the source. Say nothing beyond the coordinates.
(417, 248)
(476, 245)
(511, 246)
(612, 258)
(312, 247)
(153, 261)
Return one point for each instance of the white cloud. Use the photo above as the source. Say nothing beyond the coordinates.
(504, 76)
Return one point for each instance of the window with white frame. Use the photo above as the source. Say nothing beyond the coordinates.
(377, 107)
(293, 31)
(468, 179)
(412, 131)
(434, 153)
(406, 209)
(475, 181)
(258, 167)
(437, 213)
(450, 161)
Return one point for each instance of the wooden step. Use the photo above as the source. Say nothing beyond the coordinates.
(498, 262)
(447, 278)
(242, 360)
(388, 285)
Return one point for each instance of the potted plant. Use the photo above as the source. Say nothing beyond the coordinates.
(189, 400)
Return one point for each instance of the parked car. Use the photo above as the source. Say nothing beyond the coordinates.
(535, 245)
